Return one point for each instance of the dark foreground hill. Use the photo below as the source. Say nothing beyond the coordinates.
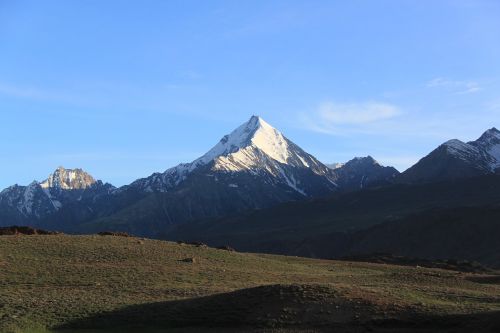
(457, 219)
(118, 283)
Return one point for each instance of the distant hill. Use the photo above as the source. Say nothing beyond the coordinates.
(362, 172)
(462, 233)
(413, 220)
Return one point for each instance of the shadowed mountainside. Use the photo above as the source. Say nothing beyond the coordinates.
(455, 219)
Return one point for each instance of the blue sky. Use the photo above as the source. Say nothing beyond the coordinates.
(126, 88)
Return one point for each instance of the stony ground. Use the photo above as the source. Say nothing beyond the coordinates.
(88, 282)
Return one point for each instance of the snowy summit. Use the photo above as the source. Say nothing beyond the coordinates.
(253, 147)
(483, 152)
(255, 132)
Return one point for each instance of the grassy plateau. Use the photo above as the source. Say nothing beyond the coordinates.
(62, 283)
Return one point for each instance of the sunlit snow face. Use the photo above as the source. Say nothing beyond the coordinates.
(256, 133)
(253, 147)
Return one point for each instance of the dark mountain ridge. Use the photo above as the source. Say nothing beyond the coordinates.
(456, 159)
(385, 219)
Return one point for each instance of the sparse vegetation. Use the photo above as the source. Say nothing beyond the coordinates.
(67, 281)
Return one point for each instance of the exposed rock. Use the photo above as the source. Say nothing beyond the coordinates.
(23, 230)
(189, 260)
(227, 248)
(197, 244)
(113, 233)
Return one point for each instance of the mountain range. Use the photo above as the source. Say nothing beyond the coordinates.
(40, 200)
(254, 168)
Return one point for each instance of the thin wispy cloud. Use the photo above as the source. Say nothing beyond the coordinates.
(341, 118)
(113, 156)
(114, 97)
(356, 113)
(191, 74)
(268, 24)
(377, 119)
(454, 86)
(30, 93)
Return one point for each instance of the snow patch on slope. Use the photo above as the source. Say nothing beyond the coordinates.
(490, 142)
(334, 166)
(460, 149)
(26, 205)
(483, 152)
(292, 182)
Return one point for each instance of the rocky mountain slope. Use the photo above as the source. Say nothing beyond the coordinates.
(456, 159)
(362, 172)
(40, 200)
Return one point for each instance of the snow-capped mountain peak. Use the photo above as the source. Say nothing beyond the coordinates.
(255, 132)
(253, 147)
(255, 144)
(41, 199)
(68, 179)
(489, 135)
(457, 159)
(484, 152)
(460, 148)
(490, 143)
(270, 140)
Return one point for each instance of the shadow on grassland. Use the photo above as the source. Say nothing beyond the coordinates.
(279, 308)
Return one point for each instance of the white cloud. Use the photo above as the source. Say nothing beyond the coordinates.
(454, 86)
